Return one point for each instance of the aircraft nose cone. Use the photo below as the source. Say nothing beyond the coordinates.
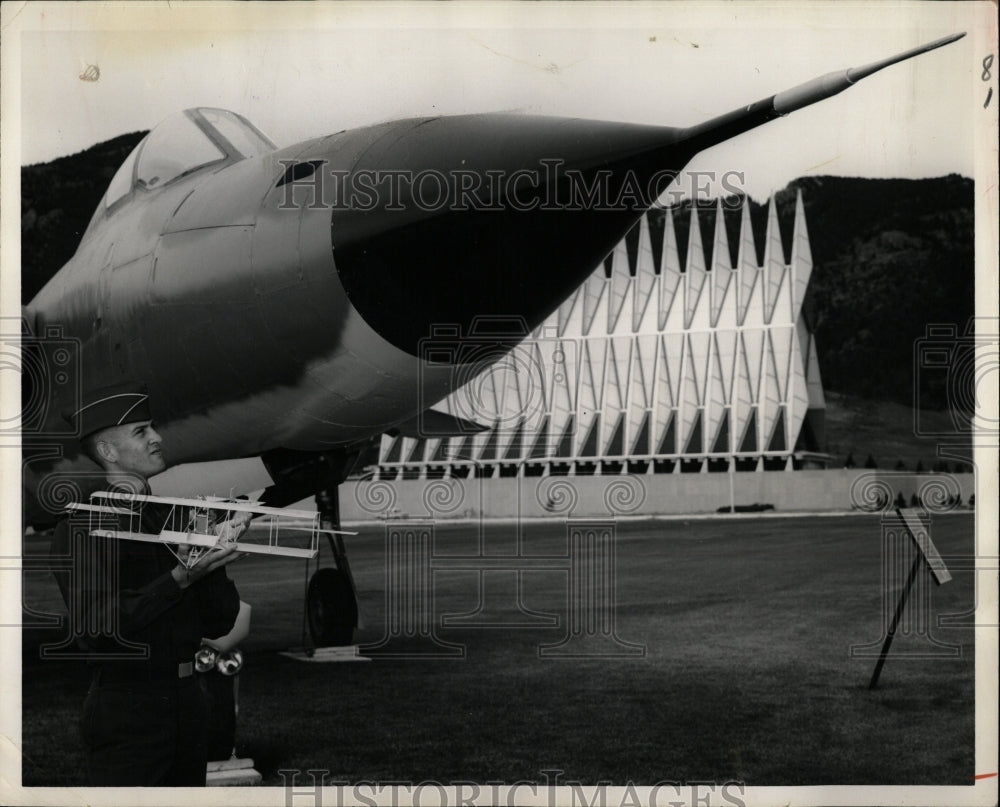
(454, 270)
(487, 217)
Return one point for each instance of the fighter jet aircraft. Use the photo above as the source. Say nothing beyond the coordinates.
(296, 303)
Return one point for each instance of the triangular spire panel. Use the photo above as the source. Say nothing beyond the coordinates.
(566, 363)
(390, 449)
(746, 265)
(715, 403)
(591, 395)
(616, 383)
(743, 397)
(802, 264)
(696, 313)
(621, 282)
(720, 442)
(564, 443)
(570, 314)
(666, 390)
(781, 343)
(463, 448)
(726, 348)
(699, 345)
(671, 364)
(514, 449)
(588, 437)
(516, 371)
(722, 272)
(437, 449)
(614, 445)
(770, 394)
(666, 439)
(414, 449)
(541, 446)
(617, 376)
(487, 448)
(778, 441)
(593, 293)
(753, 350)
(694, 440)
(774, 266)
(639, 436)
(798, 398)
(644, 283)
(692, 386)
(817, 400)
(671, 298)
(643, 372)
(748, 434)
(532, 381)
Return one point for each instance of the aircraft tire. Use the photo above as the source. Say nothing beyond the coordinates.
(331, 608)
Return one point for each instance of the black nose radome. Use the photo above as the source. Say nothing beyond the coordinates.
(491, 217)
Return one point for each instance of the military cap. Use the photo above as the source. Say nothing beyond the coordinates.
(109, 406)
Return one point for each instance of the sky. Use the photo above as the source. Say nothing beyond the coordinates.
(306, 71)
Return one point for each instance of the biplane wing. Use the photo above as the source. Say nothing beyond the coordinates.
(230, 505)
(198, 524)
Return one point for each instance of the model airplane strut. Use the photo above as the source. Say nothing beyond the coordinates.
(192, 527)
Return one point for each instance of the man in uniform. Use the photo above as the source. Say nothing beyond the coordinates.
(139, 613)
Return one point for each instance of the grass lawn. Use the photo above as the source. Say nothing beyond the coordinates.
(747, 626)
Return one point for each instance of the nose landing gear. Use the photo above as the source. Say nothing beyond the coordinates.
(331, 599)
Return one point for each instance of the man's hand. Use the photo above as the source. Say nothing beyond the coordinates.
(212, 559)
(231, 529)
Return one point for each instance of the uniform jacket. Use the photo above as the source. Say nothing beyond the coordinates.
(123, 603)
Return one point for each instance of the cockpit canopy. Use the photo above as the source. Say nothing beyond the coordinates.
(184, 143)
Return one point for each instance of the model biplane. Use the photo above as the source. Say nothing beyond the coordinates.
(191, 527)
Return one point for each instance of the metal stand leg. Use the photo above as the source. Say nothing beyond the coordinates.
(895, 621)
